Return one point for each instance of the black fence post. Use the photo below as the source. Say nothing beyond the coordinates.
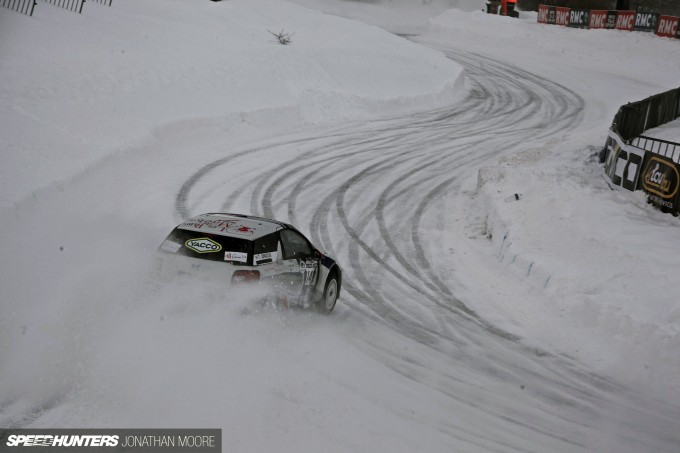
(81, 7)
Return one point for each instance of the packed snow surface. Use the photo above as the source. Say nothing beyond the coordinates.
(498, 295)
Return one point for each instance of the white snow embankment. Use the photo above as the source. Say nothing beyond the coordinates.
(594, 269)
(77, 88)
(602, 261)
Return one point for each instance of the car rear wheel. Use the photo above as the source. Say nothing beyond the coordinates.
(330, 295)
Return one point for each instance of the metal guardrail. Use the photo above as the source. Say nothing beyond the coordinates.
(665, 148)
(20, 6)
(102, 2)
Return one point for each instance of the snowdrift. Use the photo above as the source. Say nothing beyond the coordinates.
(77, 88)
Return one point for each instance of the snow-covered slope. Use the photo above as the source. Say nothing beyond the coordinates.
(597, 260)
(77, 88)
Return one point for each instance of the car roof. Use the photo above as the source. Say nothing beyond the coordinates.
(233, 225)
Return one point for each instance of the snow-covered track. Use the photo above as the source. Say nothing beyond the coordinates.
(374, 194)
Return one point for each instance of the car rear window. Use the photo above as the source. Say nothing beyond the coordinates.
(208, 246)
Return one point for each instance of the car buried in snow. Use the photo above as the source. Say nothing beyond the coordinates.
(244, 249)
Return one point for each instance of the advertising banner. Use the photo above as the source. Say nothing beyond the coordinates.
(661, 181)
(562, 16)
(598, 19)
(668, 27)
(552, 14)
(623, 163)
(646, 21)
(611, 20)
(625, 20)
(579, 18)
(542, 14)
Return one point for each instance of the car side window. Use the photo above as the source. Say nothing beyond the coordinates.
(294, 245)
(265, 249)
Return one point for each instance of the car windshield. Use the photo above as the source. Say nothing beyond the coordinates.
(208, 246)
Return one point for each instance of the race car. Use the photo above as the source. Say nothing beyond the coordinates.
(243, 249)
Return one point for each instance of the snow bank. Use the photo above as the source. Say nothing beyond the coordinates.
(77, 88)
(597, 260)
(403, 17)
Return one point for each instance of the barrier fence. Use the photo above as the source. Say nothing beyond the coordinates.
(20, 6)
(28, 6)
(75, 6)
(662, 25)
(634, 118)
(656, 145)
(637, 162)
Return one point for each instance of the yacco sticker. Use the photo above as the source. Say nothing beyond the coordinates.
(268, 257)
(236, 256)
(170, 246)
(203, 245)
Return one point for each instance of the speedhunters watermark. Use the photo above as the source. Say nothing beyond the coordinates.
(112, 440)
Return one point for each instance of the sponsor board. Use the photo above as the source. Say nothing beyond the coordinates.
(661, 181)
(238, 257)
(667, 27)
(543, 14)
(598, 19)
(646, 22)
(625, 20)
(579, 18)
(562, 16)
(611, 20)
(623, 163)
(203, 245)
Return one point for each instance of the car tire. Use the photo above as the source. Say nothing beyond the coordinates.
(330, 295)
